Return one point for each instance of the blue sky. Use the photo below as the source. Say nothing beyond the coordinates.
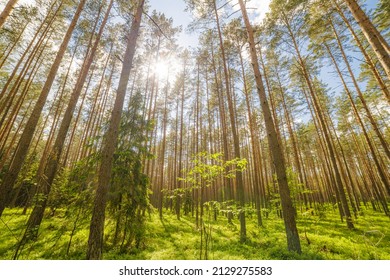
(175, 9)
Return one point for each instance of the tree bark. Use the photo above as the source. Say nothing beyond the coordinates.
(374, 38)
(95, 240)
(7, 11)
(236, 140)
(276, 150)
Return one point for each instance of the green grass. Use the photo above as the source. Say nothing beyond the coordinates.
(327, 238)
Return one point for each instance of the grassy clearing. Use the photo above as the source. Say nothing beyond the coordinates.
(326, 238)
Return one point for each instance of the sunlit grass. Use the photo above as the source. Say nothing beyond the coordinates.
(169, 238)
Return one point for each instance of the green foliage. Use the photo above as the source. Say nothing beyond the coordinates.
(26, 182)
(208, 167)
(171, 239)
(297, 189)
(129, 192)
(75, 186)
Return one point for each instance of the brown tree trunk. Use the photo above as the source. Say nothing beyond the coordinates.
(276, 150)
(236, 140)
(7, 11)
(10, 49)
(45, 28)
(368, 59)
(6, 129)
(95, 240)
(360, 95)
(339, 188)
(222, 119)
(360, 122)
(374, 38)
(258, 183)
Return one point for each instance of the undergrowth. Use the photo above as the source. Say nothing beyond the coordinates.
(324, 237)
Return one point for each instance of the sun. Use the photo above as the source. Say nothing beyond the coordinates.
(162, 69)
(166, 67)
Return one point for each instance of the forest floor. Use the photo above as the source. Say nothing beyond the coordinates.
(170, 239)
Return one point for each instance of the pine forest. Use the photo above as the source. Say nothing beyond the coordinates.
(265, 137)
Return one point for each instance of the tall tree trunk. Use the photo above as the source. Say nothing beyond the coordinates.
(360, 95)
(258, 183)
(339, 187)
(96, 230)
(236, 140)
(10, 49)
(6, 128)
(41, 38)
(163, 150)
(222, 119)
(360, 121)
(276, 150)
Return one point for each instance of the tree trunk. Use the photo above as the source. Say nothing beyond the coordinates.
(360, 121)
(258, 183)
(360, 95)
(276, 150)
(236, 141)
(368, 59)
(10, 49)
(95, 240)
(7, 11)
(374, 38)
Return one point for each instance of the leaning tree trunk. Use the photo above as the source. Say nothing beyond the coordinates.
(7, 11)
(374, 38)
(276, 150)
(368, 59)
(96, 230)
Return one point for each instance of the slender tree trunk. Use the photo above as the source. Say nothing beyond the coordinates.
(236, 140)
(180, 144)
(31, 44)
(222, 120)
(258, 184)
(276, 150)
(10, 49)
(360, 95)
(360, 121)
(339, 187)
(162, 154)
(8, 101)
(6, 129)
(95, 240)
